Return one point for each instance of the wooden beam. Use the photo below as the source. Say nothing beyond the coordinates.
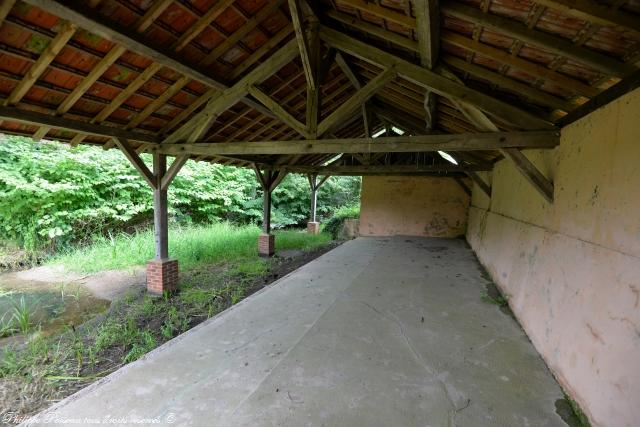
(118, 33)
(261, 51)
(151, 14)
(339, 170)
(555, 44)
(303, 43)
(173, 170)
(279, 111)
(519, 63)
(523, 90)
(202, 23)
(33, 117)
(136, 161)
(486, 189)
(433, 81)
(427, 31)
(621, 88)
(397, 144)
(199, 124)
(375, 9)
(248, 26)
(589, 10)
(352, 104)
(463, 185)
(530, 172)
(67, 30)
(121, 98)
(472, 45)
(5, 8)
(312, 116)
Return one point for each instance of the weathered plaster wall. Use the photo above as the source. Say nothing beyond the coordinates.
(571, 269)
(412, 206)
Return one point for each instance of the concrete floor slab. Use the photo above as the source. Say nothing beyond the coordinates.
(379, 331)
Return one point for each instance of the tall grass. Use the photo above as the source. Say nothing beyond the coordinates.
(192, 245)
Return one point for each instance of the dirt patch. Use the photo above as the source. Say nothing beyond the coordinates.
(50, 369)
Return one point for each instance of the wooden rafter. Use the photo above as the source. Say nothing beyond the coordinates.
(591, 11)
(549, 42)
(427, 31)
(201, 23)
(303, 43)
(5, 8)
(279, 111)
(431, 80)
(67, 30)
(198, 125)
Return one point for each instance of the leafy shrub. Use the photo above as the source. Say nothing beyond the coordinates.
(53, 196)
(334, 225)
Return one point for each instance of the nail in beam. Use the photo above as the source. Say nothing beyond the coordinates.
(313, 226)
(162, 271)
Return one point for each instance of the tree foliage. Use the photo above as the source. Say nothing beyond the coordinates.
(52, 194)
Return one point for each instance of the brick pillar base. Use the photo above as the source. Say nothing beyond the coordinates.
(313, 227)
(266, 244)
(162, 276)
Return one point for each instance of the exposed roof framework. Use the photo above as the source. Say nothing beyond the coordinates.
(302, 86)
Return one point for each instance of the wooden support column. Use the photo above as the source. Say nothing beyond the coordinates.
(162, 271)
(313, 226)
(268, 180)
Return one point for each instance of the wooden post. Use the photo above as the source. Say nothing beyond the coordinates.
(162, 272)
(313, 226)
(268, 180)
(160, 208)
(314, 196)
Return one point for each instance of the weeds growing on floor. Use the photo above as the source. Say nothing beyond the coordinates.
(50, 368)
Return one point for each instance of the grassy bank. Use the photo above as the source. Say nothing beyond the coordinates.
(219, 267)
(192, 245)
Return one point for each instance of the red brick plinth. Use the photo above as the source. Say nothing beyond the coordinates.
(266, 244)
(313, 227)
(162, 275)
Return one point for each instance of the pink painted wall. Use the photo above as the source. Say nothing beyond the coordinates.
(571, 269)
(412, 206)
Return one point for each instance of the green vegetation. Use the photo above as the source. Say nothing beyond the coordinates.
(50, 368)
(53, 197)
(334, 225)
(193, 245)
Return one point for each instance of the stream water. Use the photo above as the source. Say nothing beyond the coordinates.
(52, 304)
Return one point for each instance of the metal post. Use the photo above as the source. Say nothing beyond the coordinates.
(160, 208)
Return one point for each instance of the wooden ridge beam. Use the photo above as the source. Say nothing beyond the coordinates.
(397, 144)
(432, 80)
(36, 118)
